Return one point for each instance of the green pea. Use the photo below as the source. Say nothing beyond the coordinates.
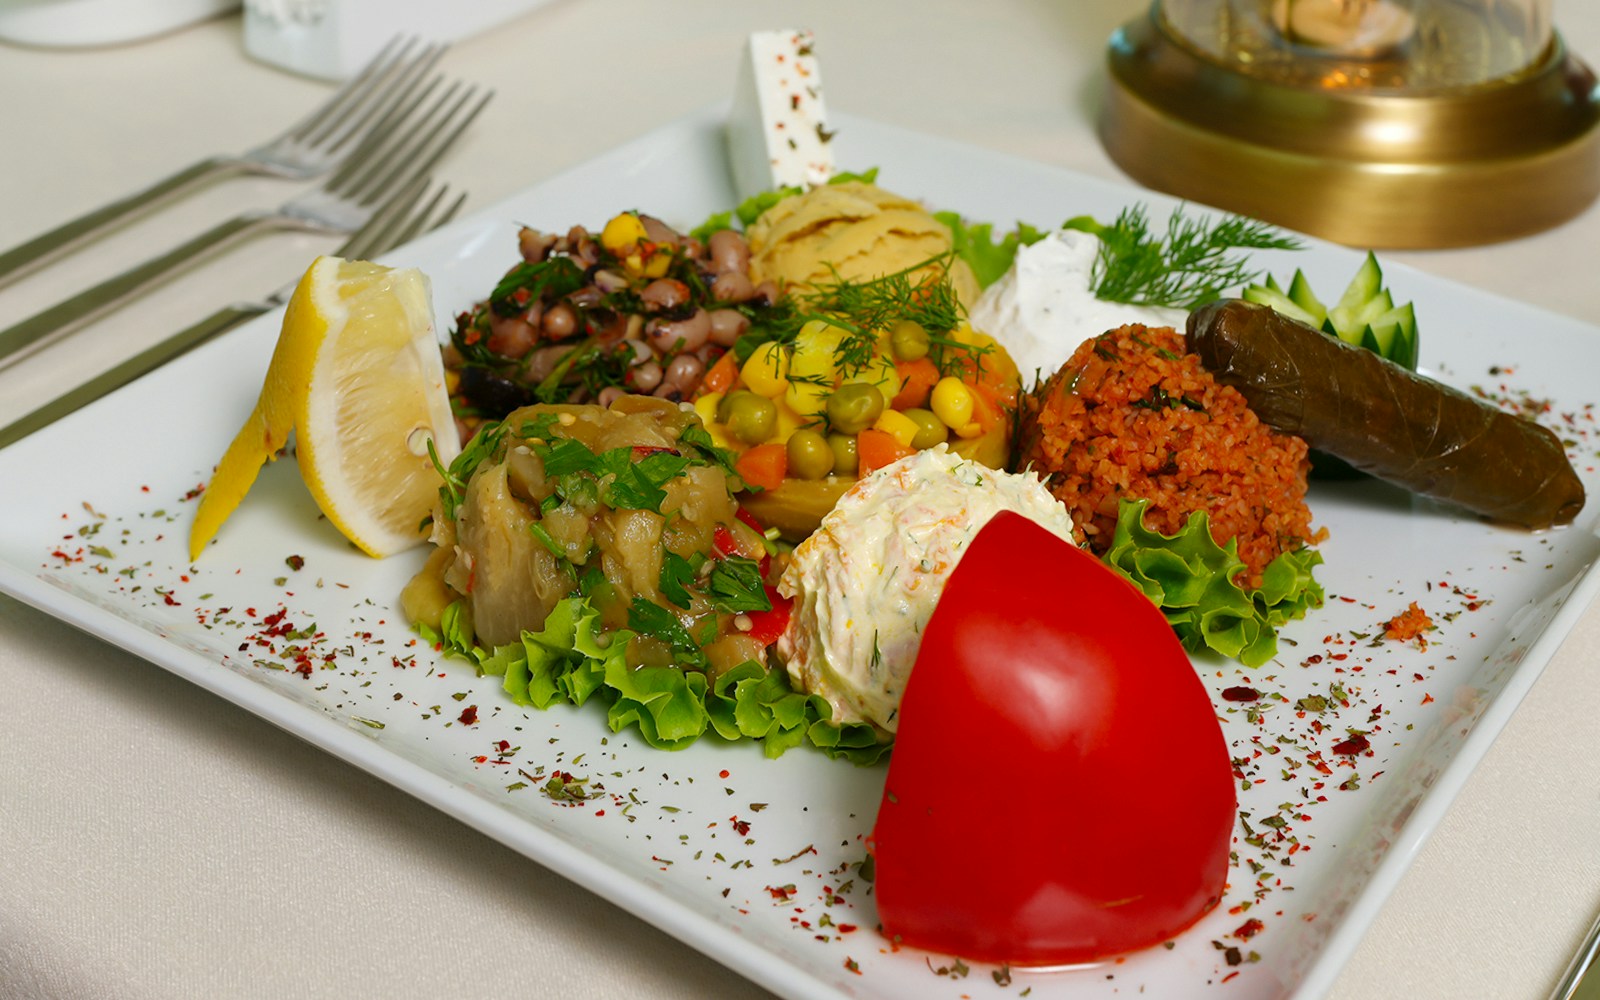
(844, 454)
(908, 340)
(854, 406)
(725, 404)
(810, 457)
(752, 418)
(930, 429)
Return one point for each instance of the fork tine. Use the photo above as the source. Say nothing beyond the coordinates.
(442, 143)
(354, 88)
(420, 147)
(379, 140)
(382, 229)
(422, 221)
(402, 228)
(391, 90)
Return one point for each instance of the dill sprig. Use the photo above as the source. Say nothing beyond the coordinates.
(866, 309)
(1191, 265)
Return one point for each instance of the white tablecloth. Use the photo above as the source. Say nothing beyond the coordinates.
(156, 841)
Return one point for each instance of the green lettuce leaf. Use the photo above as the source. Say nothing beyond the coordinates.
(570, 661)
(974, 243)
(1191, 578)
(749, 210)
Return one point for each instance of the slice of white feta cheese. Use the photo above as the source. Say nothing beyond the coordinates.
(777, 130)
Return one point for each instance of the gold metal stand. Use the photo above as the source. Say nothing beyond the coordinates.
(1364, 167)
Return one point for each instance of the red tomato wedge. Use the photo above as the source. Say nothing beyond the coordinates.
(1060, 789)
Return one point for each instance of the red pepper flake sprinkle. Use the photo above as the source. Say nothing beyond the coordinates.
(1240, 694)
(1249, 929)
(1356, 744)
(469, 716)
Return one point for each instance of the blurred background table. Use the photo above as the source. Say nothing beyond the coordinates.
(158, 842)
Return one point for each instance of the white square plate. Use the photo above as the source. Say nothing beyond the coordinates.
(751, 860)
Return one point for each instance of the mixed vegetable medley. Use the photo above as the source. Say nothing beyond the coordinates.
(780, 478)
(795, 348)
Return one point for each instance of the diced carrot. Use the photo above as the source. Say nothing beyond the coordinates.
(765, 465)
(875, 449)
(720, 376)
(983, 370)
(984, 410)
(917, 379)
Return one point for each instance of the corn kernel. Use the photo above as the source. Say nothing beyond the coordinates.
(881, 372)
(766, 372)
(902, 427)
(808, 399)
(622, 231)
(813, 367)
(789, 421)
(952, 403)
(816, 349)
(658, 265)
(705, 407)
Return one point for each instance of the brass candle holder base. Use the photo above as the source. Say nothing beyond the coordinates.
(1364, 167)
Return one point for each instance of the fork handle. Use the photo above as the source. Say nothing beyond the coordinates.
(144, 362)
(46, 247)
(107, 295)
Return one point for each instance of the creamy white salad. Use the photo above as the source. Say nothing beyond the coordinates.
(866, 582)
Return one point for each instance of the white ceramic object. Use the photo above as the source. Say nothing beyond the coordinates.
(332, 39)
(88, 23)
(98, 507)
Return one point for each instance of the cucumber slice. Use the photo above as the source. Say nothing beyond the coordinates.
(1265, 295)
(1301, 294)
(1362, 300)
(1365, 315)
(1404, 351)
(1380, 339)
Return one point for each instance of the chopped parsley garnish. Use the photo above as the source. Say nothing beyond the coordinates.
(650, 619)
(677, 574)
(482, 446)
(735, 586)
(555, 276)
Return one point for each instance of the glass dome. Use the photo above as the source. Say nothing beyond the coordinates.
(1411, 45)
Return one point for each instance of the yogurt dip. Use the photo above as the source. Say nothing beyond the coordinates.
(1042, 308)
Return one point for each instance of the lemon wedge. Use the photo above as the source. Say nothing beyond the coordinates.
(357, 377)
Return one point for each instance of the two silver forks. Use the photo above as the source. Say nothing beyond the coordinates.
(402, 145)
